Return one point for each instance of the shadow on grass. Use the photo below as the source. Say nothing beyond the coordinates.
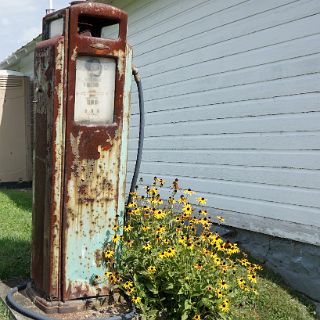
(22, 197)
(15, 258)
(268, 274)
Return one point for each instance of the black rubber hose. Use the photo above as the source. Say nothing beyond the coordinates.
(33, 315)
(137, 78)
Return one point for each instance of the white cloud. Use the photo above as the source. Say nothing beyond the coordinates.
(21, 21)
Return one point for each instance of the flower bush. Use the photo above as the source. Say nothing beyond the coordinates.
(172, 263)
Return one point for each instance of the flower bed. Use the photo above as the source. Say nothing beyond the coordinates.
(172, 263)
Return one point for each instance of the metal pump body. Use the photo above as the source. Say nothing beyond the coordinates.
(82, 108)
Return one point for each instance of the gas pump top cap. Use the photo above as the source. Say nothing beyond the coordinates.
(78, 1)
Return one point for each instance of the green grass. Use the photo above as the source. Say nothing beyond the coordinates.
(276, 301)
(15, 233)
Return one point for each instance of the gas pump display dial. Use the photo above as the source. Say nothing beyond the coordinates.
(95, 87)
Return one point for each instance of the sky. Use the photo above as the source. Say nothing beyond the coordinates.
(21, 21)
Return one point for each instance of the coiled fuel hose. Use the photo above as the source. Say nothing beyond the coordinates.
(33, 315)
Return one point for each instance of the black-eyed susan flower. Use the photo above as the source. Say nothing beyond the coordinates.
(170, 252)
(224, 306)
(159, 214)
(252, 277)
(203, 212)
(218, 293)
(190, 245)
(220, 218)
(145, 228)
(175, 184)
(201, 200)
(115, 238)
(128, 284)
(130, 291)
(197, 317)
(127, 228)
(187, 209)
(188, 191)
(115, 227)
(223, 284)
(132, 204)
(109, 254)
(198, 266)
(161, 229)
(152, 269)
(183, 199)
(171, 200)
(136, 299)
(147, 246)
(129, 243)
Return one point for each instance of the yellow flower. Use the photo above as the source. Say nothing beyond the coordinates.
(252, 277)
(132, 204)
(201, 200)
(159, 214)
(218, 293)
(147, 246)
(136, 299)
(130, 291)
(203, 212)
(108, 254)
(161, 229)
(223, 284)
(113, 277)
(134, 195)
(127, 228)
(189, 192)
(108, 274)
(183, 199)
(187, 209)
(198, 266)
(152, 191)
(145, 228)
(128, 284)
(115, 238)
(129, 243)
(221, 219)
(136, 211)
(170, 252)
(190, 245)
(241, 282)
(224, 306)
(183, 240)
(197, 317)
(115, 227)
(171, 200)
(152, 269)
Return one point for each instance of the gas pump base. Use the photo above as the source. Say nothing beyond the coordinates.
(70, 306)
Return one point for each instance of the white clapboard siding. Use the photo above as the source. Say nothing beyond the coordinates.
(232, 102)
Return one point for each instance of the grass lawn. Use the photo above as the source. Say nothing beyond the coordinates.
(275, 301)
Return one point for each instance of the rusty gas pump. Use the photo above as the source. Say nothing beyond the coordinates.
(82, 92)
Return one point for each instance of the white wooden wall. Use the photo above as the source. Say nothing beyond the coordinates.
(232, 93)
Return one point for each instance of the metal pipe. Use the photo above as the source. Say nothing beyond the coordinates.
(33, 315)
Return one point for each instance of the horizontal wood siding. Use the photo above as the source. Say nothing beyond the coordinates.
(232, 98)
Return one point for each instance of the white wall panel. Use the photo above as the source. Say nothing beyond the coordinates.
(232, 92)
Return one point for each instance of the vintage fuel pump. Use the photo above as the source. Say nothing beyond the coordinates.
(82, 91)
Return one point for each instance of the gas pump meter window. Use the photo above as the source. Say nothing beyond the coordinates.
(56, 28)
(95, 88)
